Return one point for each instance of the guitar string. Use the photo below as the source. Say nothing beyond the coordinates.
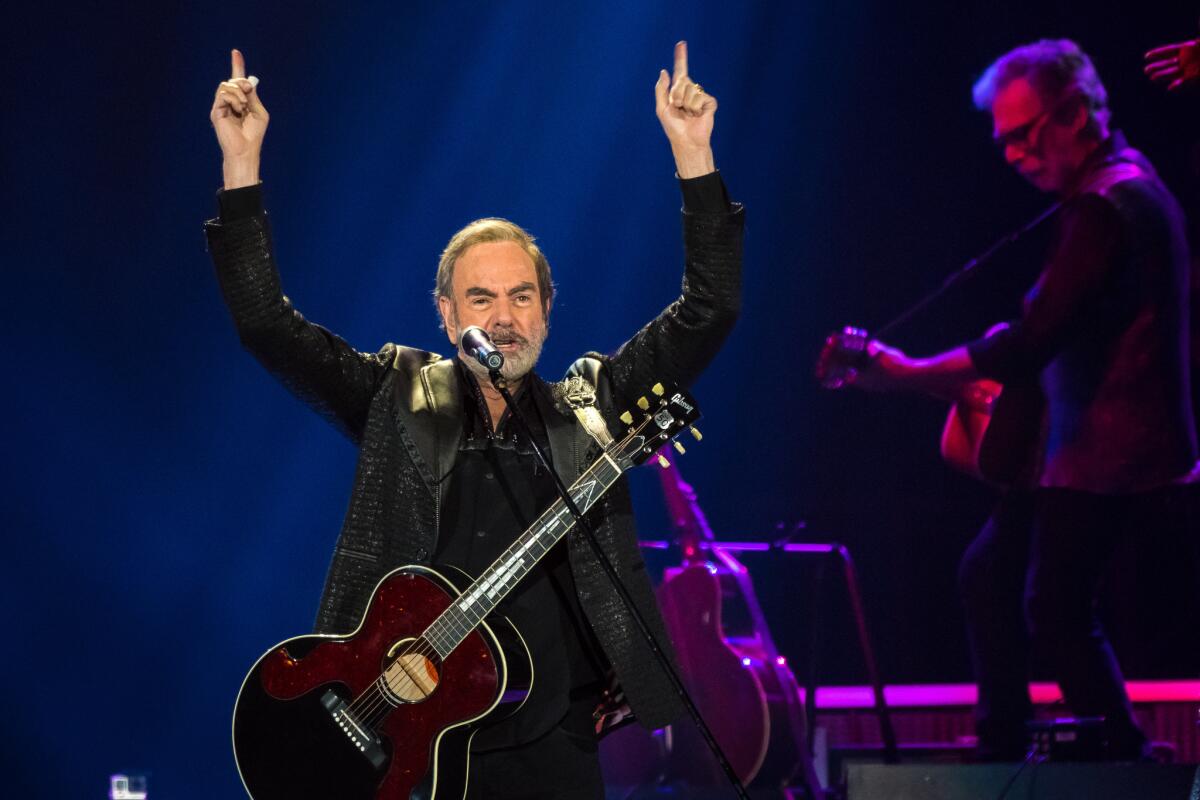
(368, 708)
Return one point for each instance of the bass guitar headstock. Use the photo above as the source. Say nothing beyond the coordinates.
(844, 353)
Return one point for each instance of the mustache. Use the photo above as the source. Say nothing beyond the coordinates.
(506, 336)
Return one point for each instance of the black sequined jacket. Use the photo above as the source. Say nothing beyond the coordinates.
(401, 407)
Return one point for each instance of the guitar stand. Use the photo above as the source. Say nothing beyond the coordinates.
(840, 554)
(502, 386)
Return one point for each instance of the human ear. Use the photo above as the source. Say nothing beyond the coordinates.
(446, 309)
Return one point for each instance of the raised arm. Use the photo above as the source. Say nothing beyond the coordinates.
(680, 342)
(1069, 288)
(314, 364)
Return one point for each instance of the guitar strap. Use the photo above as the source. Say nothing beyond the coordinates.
(581, 398)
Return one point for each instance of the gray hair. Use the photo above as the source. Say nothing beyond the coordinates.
(1057, 68)
(492, 229)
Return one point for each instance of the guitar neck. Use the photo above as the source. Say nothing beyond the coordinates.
(482, 596)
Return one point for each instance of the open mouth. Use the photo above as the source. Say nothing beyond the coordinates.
(507, 344)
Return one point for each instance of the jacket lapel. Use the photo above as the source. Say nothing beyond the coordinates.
(430, 409)
(568, 440)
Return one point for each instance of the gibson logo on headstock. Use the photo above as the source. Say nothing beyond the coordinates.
(684, 404)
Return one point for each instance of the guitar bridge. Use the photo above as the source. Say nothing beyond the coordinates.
(359, 735)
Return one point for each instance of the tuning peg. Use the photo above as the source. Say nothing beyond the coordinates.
(679, 448)
(627, 418)
(695, 433)
(662, 461)
(643, 403)
(657, 389)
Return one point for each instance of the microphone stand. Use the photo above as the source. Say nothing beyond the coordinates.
(966, 270)
(501, 385)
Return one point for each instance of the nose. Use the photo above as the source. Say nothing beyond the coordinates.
(1013, 154)
(502, 312)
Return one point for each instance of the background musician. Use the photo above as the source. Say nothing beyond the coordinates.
(1104, 334)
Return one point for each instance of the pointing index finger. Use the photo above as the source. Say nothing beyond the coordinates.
(681, 68)
(237, 64)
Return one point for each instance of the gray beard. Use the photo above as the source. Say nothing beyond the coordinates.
(516, 365)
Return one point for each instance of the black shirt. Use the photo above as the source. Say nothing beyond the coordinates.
(495, 491)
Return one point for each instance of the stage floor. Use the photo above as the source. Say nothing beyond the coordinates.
(942, 713)
(934, 726)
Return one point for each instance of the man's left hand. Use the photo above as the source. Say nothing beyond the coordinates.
(885, 370)
(1176, 65)
(686, 112)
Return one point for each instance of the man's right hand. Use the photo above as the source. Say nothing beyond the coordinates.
(240, 120)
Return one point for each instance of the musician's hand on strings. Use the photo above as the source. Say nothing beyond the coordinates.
(240, 120)
(884, 370)
(686, 112)
(1176, 65)
(851, 358)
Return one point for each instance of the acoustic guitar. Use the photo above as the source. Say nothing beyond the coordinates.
(730, 666)
(388, 711)
(992, 432)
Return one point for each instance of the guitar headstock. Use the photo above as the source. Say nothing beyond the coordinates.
(657, 419)
(844, 353)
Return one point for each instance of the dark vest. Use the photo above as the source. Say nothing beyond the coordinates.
(1119, 394)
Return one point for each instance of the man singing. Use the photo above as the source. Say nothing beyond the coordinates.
(443, 473)
(1104, 332)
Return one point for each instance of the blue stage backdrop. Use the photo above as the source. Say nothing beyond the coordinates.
(170, 510)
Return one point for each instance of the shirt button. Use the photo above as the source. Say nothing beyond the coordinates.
(481, 534)
(488, 475)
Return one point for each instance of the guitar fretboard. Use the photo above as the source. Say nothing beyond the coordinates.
(482, 597)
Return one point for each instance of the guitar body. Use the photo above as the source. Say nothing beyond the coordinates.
(995, 433)
(966, 425)
(298, 732)
(731, 668)
(728, 694)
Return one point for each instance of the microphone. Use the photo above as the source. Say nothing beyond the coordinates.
(476, 343)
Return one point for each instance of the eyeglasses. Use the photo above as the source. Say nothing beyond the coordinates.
(1025, 136)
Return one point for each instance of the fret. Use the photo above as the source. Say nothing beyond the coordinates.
(482, 597)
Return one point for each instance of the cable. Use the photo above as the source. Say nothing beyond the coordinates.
(1012, 779)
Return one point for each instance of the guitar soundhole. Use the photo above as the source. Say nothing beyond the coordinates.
(411, 671)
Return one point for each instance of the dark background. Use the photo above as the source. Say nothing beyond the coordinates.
(170, 510)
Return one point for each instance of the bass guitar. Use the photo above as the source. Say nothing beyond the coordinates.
(388, 711)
